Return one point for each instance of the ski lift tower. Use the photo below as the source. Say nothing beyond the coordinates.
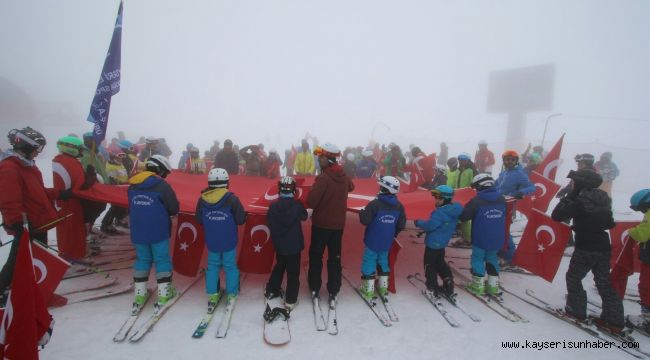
(517, 92)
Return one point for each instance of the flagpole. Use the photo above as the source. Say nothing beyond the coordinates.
(546, 125)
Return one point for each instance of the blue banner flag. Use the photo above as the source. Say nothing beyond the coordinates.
(109, 83)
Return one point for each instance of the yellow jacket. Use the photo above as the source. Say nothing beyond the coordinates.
(304, 164)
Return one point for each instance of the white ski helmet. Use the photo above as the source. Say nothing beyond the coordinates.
(159, 164)
(287, 185)
(389, 183)
(482, 181)
(218, 178)
(350, 157)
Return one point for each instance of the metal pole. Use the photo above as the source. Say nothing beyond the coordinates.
(546, 125)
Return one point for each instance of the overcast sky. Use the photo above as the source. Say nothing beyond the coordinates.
(269, 71)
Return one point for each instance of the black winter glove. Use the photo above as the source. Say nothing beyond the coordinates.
(519, 195)
(91, 177)
(65, 194)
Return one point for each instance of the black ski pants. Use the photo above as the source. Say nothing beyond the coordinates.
(321, 239)
(434, 266)
(598, 263)
(291, 265)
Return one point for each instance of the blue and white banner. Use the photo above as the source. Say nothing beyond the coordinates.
(109, 83)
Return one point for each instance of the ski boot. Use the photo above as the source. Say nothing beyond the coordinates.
(477, 286)
(382, 285)
(166, 292)
(213, 300)
(367, 289)
(231, 298)
(289, 306)
(640, 322)
(492, 287)
(448, 288)
(332, 300)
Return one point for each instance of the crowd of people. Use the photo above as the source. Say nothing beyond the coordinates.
(144, 165)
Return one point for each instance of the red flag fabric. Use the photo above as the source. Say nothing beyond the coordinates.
(545, 190)
(189, 245)
(392, 260)
(548, 166)
(619, 236)
(542, 245)
(49, 270)
(623, 268)
(256, 254)
(26, 318)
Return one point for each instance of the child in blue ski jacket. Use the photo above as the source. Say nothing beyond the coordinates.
(384, 218)
(284, 218)
(151, 203)
(220, 211)
(439, 229)
(487, 210)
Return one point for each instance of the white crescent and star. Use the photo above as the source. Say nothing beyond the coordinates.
(549, 230)
(543, 188)
(258, 247)
(184, 245)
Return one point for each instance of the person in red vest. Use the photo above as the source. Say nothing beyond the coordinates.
(69, 174)
(23, 192)
(484, 158)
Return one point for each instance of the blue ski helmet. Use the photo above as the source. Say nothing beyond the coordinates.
(443, 191)
(640, 201)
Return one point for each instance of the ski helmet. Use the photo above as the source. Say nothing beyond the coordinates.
(125, 145)
(330, 151)
(349, 157)
(510, 153)
(585, 178)
(367, 153)
(443, 191)
(159, 164)
(452, 162)
(218, 178)
(70, 145)
(388, 184)
(26, 140)
(482, 181)
(640, 201)
(441, 170)
(287, 185)
(586, 158)
(482, 142)
(464, 157)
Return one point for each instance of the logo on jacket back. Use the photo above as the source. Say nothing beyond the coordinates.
(493, 214)
(387, 219)
(217, 215)
(142, 200)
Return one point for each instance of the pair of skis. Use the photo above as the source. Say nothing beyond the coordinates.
(159, 311)
(372, 304)
(419, 283)
(495, 302)
(224, 324)
(331, 326)
(590, 328)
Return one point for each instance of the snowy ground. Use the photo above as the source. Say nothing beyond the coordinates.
(85, 330)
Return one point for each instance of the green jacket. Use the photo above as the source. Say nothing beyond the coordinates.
(466, 178)
(452, 178)
(641, 232)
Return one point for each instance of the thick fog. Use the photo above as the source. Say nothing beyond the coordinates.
(410, 72)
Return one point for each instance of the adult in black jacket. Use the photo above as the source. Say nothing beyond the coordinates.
(284, 218)
(591, 211)
(227, 158)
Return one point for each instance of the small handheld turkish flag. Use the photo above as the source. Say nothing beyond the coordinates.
(542, 245)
